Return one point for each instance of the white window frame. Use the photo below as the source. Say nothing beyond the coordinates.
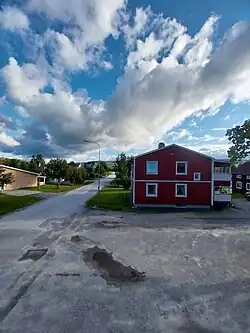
(199, 176)
(238, 176)
(152, 173)
(181, 173)
(239, 187)
(248, 186)
(248, 177)
(156, 191)
(180, 196)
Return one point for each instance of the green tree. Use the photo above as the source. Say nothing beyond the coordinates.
(76, 176)
(37, 163)
(240, 138)
(6, 177)
(105, 166)
(57, 169)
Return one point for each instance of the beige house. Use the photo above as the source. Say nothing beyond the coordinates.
(22, 178)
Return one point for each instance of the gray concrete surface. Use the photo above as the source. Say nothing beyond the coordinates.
(33, 225)
(198, 277)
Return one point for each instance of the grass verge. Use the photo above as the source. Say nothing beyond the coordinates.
(237, 195)
(10, 203)
(53, 188)
(112, 198)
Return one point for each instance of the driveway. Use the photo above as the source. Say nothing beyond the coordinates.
(197, 279)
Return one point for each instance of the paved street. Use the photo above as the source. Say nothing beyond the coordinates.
(197, 276)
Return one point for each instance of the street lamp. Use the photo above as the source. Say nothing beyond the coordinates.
(99, 147)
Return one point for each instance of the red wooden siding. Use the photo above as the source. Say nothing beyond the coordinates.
(222, 183)
(197, 194)
(167, 164)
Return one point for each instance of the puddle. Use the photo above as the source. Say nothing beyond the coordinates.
(35, 254)
(109, 268)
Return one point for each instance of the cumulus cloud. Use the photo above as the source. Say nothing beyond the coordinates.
(90, 21)
(169, 76)
(13, 19)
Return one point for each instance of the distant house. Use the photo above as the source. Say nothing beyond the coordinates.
(241, 178)
(22, 178)
(174, 176)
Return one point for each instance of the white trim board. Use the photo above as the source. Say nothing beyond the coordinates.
(171, 181)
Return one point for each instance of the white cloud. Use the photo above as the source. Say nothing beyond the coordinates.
(227, 117)
(156, 92)
(13, 19)
(21, 111)
(91, 22)
(23, 82)
(218, 129)
(106, 65)
(7, 140)
(132, 32)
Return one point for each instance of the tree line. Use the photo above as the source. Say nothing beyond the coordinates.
(57, 169)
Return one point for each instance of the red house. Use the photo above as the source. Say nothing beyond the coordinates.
(174, 176)
(241, 178)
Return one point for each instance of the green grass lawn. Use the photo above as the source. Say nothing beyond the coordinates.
(53, 188)
(112, 198)
(10, 203)
(237, 195)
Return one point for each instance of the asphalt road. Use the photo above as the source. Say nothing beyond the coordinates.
(197, 280)
(17, 230)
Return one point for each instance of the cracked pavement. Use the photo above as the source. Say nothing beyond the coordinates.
(197, 276)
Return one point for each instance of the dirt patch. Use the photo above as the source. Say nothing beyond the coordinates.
(109, 224)
(35, 254)
(110, 269)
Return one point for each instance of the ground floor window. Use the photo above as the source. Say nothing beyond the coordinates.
(181, 190)
(151, 190)
(248, 186)
(239, 185)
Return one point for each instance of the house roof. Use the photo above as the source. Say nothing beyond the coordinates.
(177, 146)
(21, 170)
(243, 169)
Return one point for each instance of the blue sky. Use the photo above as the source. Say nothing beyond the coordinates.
(125, 74)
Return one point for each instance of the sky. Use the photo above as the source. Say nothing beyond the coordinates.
(125, 74)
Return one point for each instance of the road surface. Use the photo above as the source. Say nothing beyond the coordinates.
(18, 230)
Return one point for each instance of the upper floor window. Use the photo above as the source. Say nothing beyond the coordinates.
(152, 168)
(248, 177)
(197, 176)
(181, 167)
(238, 176)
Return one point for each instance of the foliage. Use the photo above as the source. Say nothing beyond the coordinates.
(9, 203)
(123, 170)
(112, 198)
(16, 163)
(57, 169)
(37, 163)
(76, 176)
(6, 177)
(104, 166)
(240, 138)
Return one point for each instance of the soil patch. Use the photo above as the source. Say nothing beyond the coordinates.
(110, 269)
(35, 254)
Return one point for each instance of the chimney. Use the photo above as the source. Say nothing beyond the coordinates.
(161, 145)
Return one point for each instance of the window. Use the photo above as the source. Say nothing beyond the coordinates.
(248, 177)
(248, 186)
(239, 185)
(181, 168)
(222, 169)
(238, 176)
(152, 168)
(181, 190)
(151, 190)
(197, 176)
